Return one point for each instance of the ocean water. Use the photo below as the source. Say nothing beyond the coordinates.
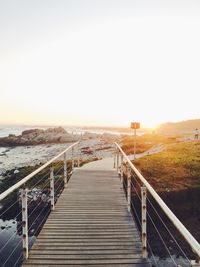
(17, 130)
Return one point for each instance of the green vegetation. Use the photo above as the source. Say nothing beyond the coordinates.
(11, 178)
(40, 180)
(176, 168)
(145, 142)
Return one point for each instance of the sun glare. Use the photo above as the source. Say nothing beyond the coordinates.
(108, 72)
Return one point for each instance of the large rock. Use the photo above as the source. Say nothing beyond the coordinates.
(38, 136)
(32, 132)
(56, 130)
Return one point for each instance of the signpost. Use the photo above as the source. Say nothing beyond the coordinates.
(135, 126)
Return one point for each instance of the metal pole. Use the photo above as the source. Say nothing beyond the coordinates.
(65, 170)
(117, 161)
(24, 223)
(144, 220)
(52, 188)
(72, 158)
(114, 166)
(125, 173)
(134, 143)
(129, 189)
(78, 160)
(122, 171)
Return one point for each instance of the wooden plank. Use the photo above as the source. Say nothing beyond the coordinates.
(85, 252)
(89, 227)
(85, 236)
(83, 261)
(85, 256)
(86, 247)
(81, 243)
(26, 264)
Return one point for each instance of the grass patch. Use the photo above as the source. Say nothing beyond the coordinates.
(176, 168)
(145, 142)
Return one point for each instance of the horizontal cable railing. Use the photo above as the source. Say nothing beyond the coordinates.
(37, 193)
(134, 181)
(28, 177)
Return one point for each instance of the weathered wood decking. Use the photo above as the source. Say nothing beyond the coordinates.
(90, 226)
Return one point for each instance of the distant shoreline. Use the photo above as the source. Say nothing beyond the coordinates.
(17, 130)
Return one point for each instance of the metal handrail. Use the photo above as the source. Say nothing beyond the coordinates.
(28, 177)
(194, 244)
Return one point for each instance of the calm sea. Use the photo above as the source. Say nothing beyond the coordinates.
(17, 130)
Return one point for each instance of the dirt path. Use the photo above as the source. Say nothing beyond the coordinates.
(108, 163)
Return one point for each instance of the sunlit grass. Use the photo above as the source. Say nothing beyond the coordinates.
(145, 142)
(178, 167)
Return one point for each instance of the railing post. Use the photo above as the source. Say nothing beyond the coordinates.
(52, 188)
(117, 161)
(65, 170)
(72, 158)
(134, 144)
(24, 223)
(144, 220)
(114, 165)
(78, 160)
(125, 170)
(122, 172)
(129, 189)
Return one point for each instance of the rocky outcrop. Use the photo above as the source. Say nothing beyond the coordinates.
(38, 136)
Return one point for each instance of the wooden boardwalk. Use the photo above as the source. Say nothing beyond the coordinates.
(90, 226)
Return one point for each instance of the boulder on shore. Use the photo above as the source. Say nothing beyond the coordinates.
(32, 131)
(38, 136)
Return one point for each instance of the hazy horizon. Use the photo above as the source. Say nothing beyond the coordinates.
(99, 62)
(90, 126)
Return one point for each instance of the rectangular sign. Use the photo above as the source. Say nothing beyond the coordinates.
(135, 125)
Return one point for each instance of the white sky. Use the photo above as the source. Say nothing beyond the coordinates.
(105, 62)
